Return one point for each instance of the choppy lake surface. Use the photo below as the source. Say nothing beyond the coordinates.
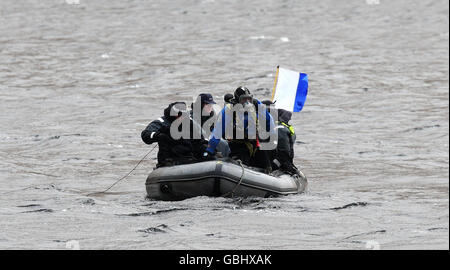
(79, 82)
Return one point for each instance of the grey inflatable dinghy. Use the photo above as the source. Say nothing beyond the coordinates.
(219, 178)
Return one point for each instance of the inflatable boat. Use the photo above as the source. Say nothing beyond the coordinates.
(219, 178)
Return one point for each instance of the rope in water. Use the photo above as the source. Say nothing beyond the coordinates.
(125, 175)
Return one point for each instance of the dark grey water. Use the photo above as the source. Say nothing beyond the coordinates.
(78, 83)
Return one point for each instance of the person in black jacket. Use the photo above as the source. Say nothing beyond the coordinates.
(171, 151)
(283, 157)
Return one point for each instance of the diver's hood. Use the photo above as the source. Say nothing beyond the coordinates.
(284, 116)
(177, 108)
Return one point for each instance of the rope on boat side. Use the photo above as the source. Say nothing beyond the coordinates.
(239, 183)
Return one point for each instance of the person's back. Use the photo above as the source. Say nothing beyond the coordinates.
(286, 141)
(171, 151)
(283, 156)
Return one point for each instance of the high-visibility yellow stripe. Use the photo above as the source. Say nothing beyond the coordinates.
(275, 83)
(290, 127)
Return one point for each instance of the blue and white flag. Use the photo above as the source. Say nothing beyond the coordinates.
(290, 90)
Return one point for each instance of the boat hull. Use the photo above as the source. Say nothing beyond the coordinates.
(218, 178)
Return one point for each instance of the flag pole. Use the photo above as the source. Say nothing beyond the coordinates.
(275, 83)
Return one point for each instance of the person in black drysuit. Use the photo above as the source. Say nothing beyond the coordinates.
(283, 157)
(171, 152)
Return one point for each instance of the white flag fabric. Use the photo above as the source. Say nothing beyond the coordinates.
(290, 90)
